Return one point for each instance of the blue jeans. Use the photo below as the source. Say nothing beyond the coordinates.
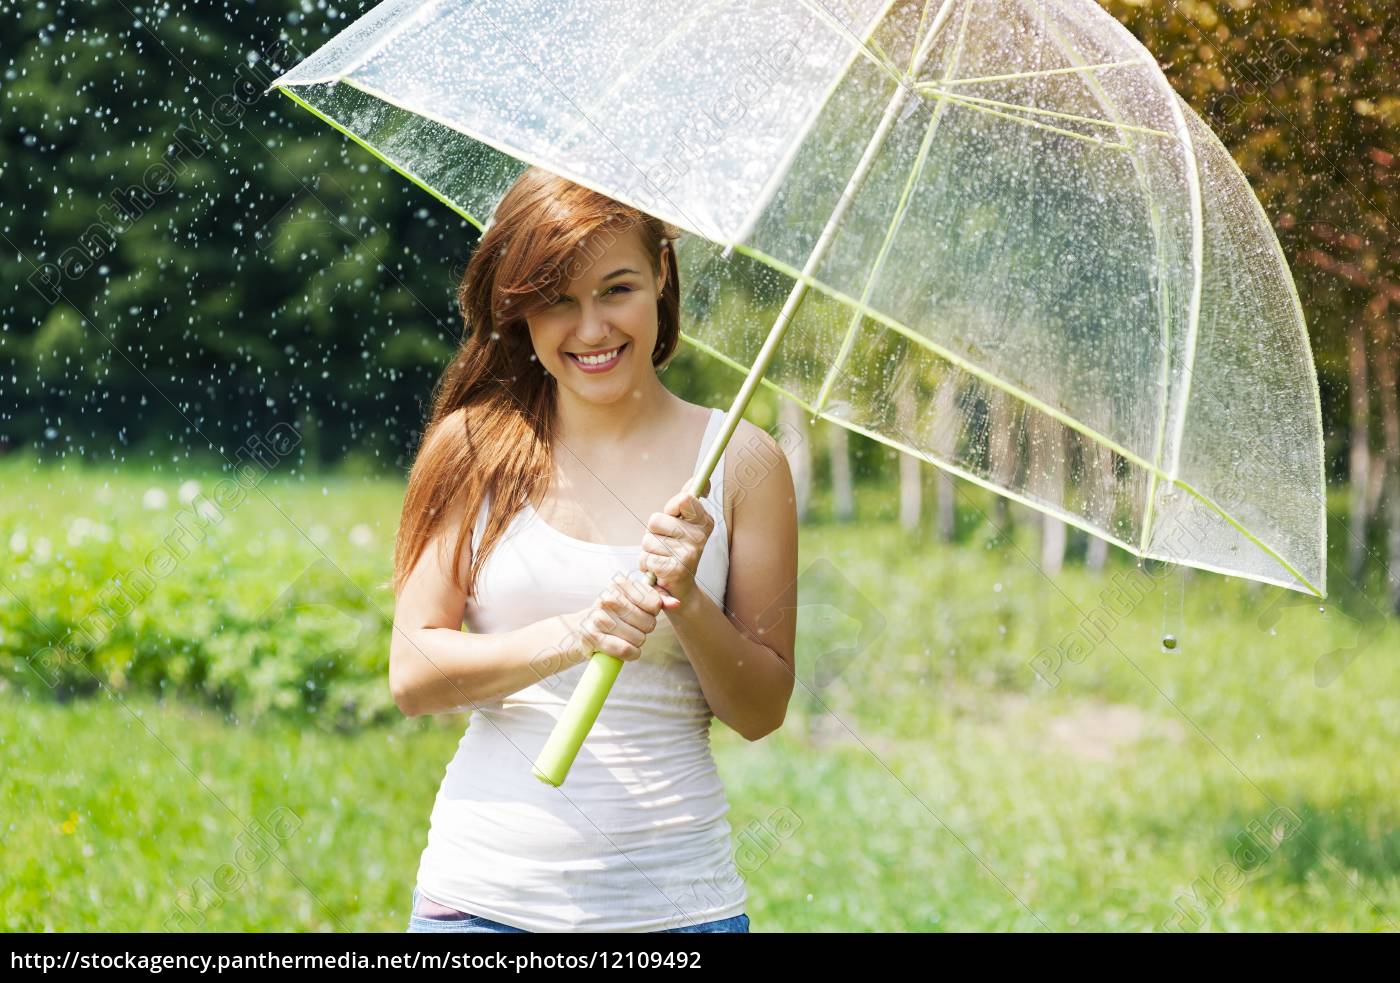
(476, 923)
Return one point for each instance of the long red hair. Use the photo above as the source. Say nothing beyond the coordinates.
(493, 409)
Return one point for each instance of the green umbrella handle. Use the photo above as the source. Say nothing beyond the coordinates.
(552, 765)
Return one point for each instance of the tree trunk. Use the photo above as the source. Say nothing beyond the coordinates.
(1376, 489)
(1048, 480)
(1097, 554)
(1359, 458)
(1052, 543)
(1004, 451)
(947, 425)
(1390, 427)
(796, 443)
(842, 494)
(911, 470)
(946, 492)
(1103, 487)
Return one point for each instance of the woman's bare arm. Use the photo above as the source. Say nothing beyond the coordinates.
(744, 653)
(435, 667)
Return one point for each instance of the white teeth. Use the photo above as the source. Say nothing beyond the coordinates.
(598, 359)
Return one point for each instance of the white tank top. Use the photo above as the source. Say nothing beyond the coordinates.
(636, 839)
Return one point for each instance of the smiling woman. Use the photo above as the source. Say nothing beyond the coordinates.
(532, 500)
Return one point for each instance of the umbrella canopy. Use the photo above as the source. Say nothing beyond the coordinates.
(997, 207)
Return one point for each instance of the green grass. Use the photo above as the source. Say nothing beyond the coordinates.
(926, 779)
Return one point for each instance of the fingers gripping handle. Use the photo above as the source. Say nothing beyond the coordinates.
(557, 757)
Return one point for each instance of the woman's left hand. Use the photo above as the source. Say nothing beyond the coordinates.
(672, 546)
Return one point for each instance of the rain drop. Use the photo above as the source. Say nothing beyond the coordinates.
(1168, 643)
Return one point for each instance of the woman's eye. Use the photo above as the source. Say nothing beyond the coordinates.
(617, 286)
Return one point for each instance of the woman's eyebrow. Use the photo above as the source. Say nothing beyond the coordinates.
(611, 275)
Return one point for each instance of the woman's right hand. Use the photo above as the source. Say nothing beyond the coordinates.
(618, 622)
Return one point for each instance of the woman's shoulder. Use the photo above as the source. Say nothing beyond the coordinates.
(757, 476)
(752, 441)
(695, 411)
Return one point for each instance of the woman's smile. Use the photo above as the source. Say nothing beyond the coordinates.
(599, 362)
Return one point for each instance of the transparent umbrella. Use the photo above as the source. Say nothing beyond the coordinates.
(984, 232)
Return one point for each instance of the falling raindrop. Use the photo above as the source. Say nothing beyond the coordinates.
(1172, 604)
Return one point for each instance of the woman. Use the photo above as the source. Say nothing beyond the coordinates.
(551, 442)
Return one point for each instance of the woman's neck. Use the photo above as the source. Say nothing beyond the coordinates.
(586, 427)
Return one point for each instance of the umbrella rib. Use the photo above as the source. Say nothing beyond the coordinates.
(1263, 218)
(406, 172)
(384, 11)
(1193, 310)
(1164, 326)
(895, 221)
(1193, 187)
(923, 16)
(672, 214)
(1041, 73)
(947, 354)
(389, 37)
(1073, 117)
(1096, 141)
(826, 17)
(781, 169)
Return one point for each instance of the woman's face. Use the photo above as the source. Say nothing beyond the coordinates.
(607, 302)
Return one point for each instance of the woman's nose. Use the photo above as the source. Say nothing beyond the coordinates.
(592, 328)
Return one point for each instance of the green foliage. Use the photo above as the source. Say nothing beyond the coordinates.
(121, 583)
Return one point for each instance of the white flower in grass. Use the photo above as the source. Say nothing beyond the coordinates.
(319, 533)
(18, 541)
(188, 490)
(154, 499)
(361, 535)
(79, 529)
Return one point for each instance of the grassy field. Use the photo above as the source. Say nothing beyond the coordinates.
(927, 777)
